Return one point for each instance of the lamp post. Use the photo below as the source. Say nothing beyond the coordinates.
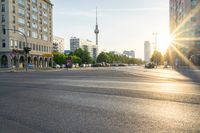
(26, 49)
(156, 39)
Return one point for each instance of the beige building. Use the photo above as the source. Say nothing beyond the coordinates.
(185, 28)
(76, 43)
(34, 19)
(147, 51)
(58, 44)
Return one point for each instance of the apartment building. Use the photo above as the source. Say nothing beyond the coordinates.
(76, 43)
(185, 28)
(58, 44)
(130, 54)
(21, 19)
(147, 51)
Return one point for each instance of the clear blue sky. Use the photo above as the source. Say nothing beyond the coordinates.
(123, 24)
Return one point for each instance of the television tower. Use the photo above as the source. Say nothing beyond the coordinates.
(96, 31)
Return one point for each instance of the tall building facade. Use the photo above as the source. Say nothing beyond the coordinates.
(58, 44)
(33, 18)
(185, 29)
(76, 43)
(147, 51)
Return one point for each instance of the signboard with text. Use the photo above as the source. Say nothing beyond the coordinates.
(69, 62)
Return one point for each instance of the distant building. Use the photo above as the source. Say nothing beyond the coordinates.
(58, 44)
(115, 52)
(76, 43)
(67, 52)
(147, 51)
(130, 54)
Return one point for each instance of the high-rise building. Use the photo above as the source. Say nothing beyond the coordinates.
(76, 43)
(147, 51)
(185, 28)
(130, 54)
(21, 20)
(58, 44)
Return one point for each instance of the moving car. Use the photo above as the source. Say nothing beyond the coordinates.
(150, 65)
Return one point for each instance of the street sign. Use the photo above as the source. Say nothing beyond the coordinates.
(69, 62)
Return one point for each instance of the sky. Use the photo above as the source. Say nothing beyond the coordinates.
(123, 24)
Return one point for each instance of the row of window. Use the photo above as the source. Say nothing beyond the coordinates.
(34, 47)
(42, 5)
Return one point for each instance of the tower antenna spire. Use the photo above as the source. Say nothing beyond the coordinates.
(96, 16)
(96, 31)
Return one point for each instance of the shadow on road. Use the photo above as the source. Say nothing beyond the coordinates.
(194, 75)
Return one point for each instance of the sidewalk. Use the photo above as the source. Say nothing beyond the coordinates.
(29, 70)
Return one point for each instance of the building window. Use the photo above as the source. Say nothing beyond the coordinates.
(14, 19)
(14, 9)
(45, 21)
(12, 43)
(21, 12)
(3, 8)
(34, 1)
(45, 37)
(34, 17)
(16, 44)
(3, 43)
(34, 25)
(29, 33)
(34, 9)
(3, 19)
(21, 3)
(34, 34)
(4, 29)
(20, 45)
(33, 46)
(22, 30)
(21, 21)
(45, 6)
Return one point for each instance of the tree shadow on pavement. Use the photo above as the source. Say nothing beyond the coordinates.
(194, 75)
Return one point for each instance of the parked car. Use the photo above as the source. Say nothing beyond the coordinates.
(56, 66)
(150, 65)
(63, 66)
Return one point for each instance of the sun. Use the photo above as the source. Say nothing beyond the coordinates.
(164, 40)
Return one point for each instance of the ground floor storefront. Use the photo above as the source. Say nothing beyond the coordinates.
(8, 60)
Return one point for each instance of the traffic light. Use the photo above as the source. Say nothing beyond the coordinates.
(27, 50)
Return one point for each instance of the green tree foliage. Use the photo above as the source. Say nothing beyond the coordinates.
(113, 58)
(84, 56)
(60, 59)
(157, 58)
(103, 57)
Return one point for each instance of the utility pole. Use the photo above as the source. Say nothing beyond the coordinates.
(156, 40)
(156, 45)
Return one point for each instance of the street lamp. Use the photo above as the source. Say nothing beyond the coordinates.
(156, 39)
(26, 49)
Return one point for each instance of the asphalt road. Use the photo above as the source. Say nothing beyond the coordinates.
(100, 100)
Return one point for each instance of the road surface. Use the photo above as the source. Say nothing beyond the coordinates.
(100, 100)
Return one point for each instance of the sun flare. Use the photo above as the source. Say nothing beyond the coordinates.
(163, 42)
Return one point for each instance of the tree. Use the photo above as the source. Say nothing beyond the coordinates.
(76, 60)
(60, 59)
(103, 57)
(84, 56)
(157, 58)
